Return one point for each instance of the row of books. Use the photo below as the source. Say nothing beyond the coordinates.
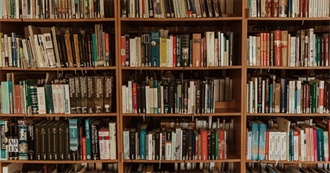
(73, 95)
(176, 9)
(161, 49)
(151, 168)
(72, 139)
(170, 96)
(291, 140)
(64, 168)
(56, 47)
(280, 48)
(269, 94)
(66, 9)
(289, 8)
(289, 169)
(180, 141)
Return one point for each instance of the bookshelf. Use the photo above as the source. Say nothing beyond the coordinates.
(238, 69)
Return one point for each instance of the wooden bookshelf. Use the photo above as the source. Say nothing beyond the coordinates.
(240, 23)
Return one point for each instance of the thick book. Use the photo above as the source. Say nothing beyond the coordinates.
(104, 143)
(90, 94)
(108, 93)
(99, 91)
(83, 94)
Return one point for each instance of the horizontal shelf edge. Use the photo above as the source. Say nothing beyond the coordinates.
(58, 161)
(288, 18)
(180, 19)
(58, 69)
(182, 68)
(285, 114)
(176, 115)
(182, 161)
(289, 68)
(59, 115)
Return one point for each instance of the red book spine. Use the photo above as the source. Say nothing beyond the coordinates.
(277, 48)
(134, 93)
(204, 153)
(17, 106)
(275, 8)
(267, 146)
(84, 155)
(306, 8)
(267, 49)
(122, 50)
(301, 8)
(174, 50)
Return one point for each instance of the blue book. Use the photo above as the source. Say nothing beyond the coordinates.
(143, 138)
(155, 49)
(73, 138)
(94, 49)
(3, 144)
(254, 127)
(262, 140)
(88, 139)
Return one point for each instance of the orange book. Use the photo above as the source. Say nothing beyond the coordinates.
(275, 8)
(204, 151)
(267, 145)
(196, 37)
(326, 49)
(284, 47)
(277, 48)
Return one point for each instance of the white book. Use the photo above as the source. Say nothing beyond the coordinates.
(49, 49)
(155, 100)
(253, 10)
(138, 52)
(132, 9)
(209, 35)
(101, 9)
(124, 98)
(222, 49)
(263, 97)
(12, 167)
(104, 144)
(148, 100)
(112, 139)
(293, 51)
(162, 100)
(295, 148)
(326, 145)
(126, 143)
(66, 96)
(132, 52)
(129, 97)
(251, 96)
(41, 100)
(55, 98)
(146, 7)
(173, 145)
(17, 11)
(170, 51)
(10, 57)
(61, 99)
(150, 146)
(299, 96)
(254, 50)
(255, 95)
(178, 147)
(248, 144)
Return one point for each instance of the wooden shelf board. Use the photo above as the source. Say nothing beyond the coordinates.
(182, 19)
(183, 68)
(69, 20)
(289, 68)
(10, 20)
(58, 161)
(58, 69)
(59, 115)
(287, 162)
(286, 114)
(182, 161)
(288, 19)
(182, 115)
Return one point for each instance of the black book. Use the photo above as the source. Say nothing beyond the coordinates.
(171, 97)
(184, 144)
(143, 97)
(12, 141)
(209, 143)
(43, 136)
(31, 140)
(191, 140)
(185, 45)
(108, 93)
(90, 50)
(151, 9)
(73, 51)
(64, 51)
(55, 140)
(185, 95)
(81, 48)
(61, 141)
(95, 139)
(60, 51)
(166, 97)
(139, 97)
(283, 102)
(123, 6)
(49, 137)
(146, 50)
(203, 84)
(198, 105)
(77, 95)
(90, 94)
(178, 50)
(213, 143)
(65, 135)
(209, 8)
(83, 94)
(157, 144)
(132, 143)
